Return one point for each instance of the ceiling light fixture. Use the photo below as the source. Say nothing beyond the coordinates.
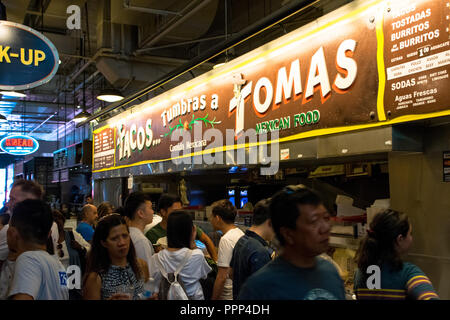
(83, 115)
(110, 95)
(13, 94)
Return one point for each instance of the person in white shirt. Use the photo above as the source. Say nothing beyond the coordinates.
(139, 211)
(37, 275)
(180, 240)
(20, 191)
(222, 218)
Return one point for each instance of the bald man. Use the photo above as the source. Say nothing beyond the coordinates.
(85, 227)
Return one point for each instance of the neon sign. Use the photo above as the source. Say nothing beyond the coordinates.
(19, 145)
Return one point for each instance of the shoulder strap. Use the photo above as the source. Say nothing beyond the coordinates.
(177, 271)
(183, 263)
(160, 266)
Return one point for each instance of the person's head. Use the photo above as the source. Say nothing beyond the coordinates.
(104, 209)
(223, 213)
(111, 241)
(261, 219)
(30, 224)
(4, 219)
(89, 200)
(138, 207)
(168, 203)
(388, 237)
(300, 220)
(89, 214)
(60, 220)
(180, 229)
(22, 190)
(64, 208)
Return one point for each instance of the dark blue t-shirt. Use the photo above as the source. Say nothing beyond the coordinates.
(85, 230)
(250, 254)
(281, 280)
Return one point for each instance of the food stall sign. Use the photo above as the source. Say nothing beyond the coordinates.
(19, 145)
(364, 65)
(27, 58)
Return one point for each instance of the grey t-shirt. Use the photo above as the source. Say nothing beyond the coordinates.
(41, 276)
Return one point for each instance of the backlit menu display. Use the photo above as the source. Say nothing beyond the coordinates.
(104, 149)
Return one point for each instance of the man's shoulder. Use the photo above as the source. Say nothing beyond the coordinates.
(36, 258)
(84, 226)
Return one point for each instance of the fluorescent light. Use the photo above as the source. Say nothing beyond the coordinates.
(13, 94)
(218, 65)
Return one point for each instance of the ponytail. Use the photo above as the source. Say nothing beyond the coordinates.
(378, 247)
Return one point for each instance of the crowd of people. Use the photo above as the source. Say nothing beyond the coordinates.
(132, 253)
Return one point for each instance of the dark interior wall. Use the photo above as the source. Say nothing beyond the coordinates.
(417, 188)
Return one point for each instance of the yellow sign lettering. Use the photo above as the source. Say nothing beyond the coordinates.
(4, 53)
(30, 56)
(38, 57)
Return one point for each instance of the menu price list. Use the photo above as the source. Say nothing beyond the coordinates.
(417, 56)
(104, 149)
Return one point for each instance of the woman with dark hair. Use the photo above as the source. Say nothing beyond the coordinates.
(104, 209)
(113, 272)
(389, 237)
(180, 239)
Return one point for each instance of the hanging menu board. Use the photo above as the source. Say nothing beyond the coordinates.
(104, 149)
(417, 57)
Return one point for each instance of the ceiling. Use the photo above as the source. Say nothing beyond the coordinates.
(127, 45)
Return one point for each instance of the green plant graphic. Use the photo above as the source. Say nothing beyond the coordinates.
(188, 126)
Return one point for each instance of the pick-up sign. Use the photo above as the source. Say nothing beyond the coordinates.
(27, 58)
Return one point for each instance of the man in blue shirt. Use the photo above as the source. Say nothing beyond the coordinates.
(301, 224)
(251, 252)
(85, 227)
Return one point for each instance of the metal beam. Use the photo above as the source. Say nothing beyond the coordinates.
(126, 5)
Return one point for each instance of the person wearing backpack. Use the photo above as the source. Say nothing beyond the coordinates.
(177, 270)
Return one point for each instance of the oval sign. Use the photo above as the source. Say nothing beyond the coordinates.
(19, 145)
(27, 58)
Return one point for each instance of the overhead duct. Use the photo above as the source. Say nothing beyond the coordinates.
(118, 29)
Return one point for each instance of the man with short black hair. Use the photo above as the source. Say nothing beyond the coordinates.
(301, 224)
(37, 275)
(252, 252)
(21, 190)
(157, 235)
(85, 227)
(222, 218)
(138, 209)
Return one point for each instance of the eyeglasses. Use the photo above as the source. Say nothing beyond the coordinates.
(60, 250)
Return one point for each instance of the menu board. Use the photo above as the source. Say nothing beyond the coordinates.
(446, 165)
(104, 149)
(417, 55)
(60, 159)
